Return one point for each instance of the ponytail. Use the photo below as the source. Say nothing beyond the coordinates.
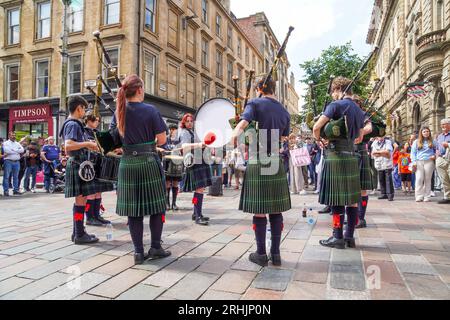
(128, 90)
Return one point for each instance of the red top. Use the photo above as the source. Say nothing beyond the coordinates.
(395, 157)
(404, 161)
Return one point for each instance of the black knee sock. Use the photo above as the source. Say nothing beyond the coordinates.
(362, 207)
(98, 204)
(136, 226)
(200, 204)
(174, 195)
(352, 217)
(156, 227)
(90, 209)
(168, 195)
(338, 221)
(195, 201)
(78, 220)
(276, 227)
(260, 226)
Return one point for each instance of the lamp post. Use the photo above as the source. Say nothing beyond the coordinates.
(62, 113)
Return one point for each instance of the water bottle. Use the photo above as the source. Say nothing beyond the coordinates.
(311, 220)
(268, 239)
(109, 232)
(305, 211)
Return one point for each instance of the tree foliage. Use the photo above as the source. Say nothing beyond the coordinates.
(334, 61)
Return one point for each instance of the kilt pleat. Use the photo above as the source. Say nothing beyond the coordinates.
(140, 188)
(265, 194)
(365, 171)
(340, 180)
(74, 186)
(197, 177)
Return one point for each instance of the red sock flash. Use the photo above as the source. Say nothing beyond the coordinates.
(337, 221)
(79, 216)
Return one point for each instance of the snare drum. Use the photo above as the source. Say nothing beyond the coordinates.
(107, 168)
(173, 167)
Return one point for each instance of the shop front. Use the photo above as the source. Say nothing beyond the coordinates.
(35, 121)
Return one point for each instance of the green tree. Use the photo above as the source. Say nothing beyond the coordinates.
(334, 61)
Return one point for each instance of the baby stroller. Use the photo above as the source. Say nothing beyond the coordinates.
(58, 181)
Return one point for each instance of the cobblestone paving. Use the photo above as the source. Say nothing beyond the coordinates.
(403, 254)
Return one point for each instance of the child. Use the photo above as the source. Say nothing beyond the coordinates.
(404, 161)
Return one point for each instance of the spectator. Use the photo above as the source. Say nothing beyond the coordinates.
(404, 162)
(50, 153)
(443, 160)
(239, 168)
(423, 156)
(32, 158)
(396, 173)
(382, 150)
(313, 150)
(12, 151)
(1, 153)
(297, 183)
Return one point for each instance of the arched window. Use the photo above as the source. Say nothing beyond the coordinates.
(439, 14)
(417, 118)
(440, 108)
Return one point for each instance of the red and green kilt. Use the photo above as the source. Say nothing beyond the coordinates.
(364, 168)
(265, 192)
(140, 187)
(197, 177)
(76, 187)
(340, 177)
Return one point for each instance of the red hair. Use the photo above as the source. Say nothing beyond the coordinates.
(129, 88)
(184, 120)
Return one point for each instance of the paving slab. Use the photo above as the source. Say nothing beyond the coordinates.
(427, 287)
(273, 279)
(141, 292)
(234, 281)
(192, 286)
(347, 277)
(413, 264)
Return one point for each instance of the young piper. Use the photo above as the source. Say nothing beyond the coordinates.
(141, 185)
(198, 177)
(340, 186)
(265, 190)
(76, 146)
(94, 201)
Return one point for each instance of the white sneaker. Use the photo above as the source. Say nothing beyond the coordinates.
(426, 200)
(373, 192)
(33, 190)
(419, 200)
(303, 193)
(317, 192)
(433, 194)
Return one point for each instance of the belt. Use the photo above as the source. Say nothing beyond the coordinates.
(139, 149)
(12, 160)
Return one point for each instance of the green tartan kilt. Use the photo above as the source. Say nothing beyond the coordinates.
(76, 187)
(140, 188)
(340, 180)
(374, 173)
(265, 194)
(197, 177)
(365, 171)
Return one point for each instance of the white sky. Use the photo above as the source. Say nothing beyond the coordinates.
(318, 24)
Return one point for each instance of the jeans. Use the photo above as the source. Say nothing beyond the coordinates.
(33, 172)
(49, 174)
(312, 173)
(397, 179)
(216, 170)
(386, 183)
(11, 169)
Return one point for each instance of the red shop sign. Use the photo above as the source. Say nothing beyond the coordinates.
(31, 114)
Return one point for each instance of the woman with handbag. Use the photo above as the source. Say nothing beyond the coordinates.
(296, 173)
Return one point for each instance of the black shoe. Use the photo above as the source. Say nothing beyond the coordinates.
(444, 202)
(362, 224)
(202, 221)
(102, 220)
(391, 199)
(93, 222)
(193, 217)
(259, 259)
(175, 207)
(205, 218)
(333, 243)
(383, 198)
(325, 210)
(86, 239)
(276, 259)
(139, 258)
(350, 243)
(17, 193)
(155, 254)
(6, 194)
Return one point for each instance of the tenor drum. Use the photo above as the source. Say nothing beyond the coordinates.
(173, 167)
(214, 118)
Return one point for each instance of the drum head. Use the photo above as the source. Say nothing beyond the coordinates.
(213, 117)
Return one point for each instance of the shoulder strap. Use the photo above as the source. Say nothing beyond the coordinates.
(61, 133)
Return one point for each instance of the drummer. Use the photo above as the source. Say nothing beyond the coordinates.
(197, 177)
(174, 170)
(94, 201)
(140, 188)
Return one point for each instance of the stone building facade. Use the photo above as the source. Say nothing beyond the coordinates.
(413, 37)
(187, 51)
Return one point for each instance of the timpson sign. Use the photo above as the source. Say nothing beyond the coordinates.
(31, 114)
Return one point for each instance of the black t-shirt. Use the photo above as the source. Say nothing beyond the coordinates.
(355, 116)
(142, 123)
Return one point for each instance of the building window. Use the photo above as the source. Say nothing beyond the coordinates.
(191, 85)
(230, 37)
(205, 53)
(205, 11)
(230, 72)
(205, 91)
(42, 78)
(149, 72)
(247, 55)
(75, 74)
(108, 75)
(219, 64)
(43, 20)
(219, 92)
(440, 14)
(150, 9)
(254, 63)
(173, 72)
(191, 44)
(76, 16)
(13, 26)
(218, 25)
(173, 29)
(239, 47)
(111, 12)
(12, 82)
(240, 76)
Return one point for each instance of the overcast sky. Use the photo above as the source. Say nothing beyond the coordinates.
(318, 24)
